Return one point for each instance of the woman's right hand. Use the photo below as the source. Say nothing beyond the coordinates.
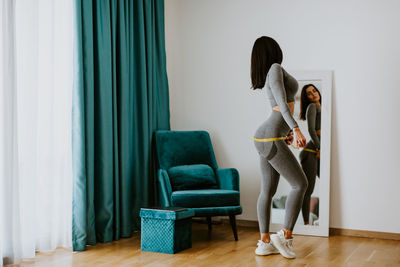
(299, 138)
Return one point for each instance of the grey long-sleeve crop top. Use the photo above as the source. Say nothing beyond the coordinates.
(313, 116)
(281, 88)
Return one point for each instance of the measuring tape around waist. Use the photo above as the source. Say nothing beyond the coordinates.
(309, 150)
(281, 138)
(269, 139)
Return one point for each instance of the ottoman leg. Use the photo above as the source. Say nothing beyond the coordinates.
(232, 220)
(209, 223)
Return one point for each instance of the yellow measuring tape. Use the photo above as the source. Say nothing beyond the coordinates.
(310, 150)
(269, 139)
(282, 138)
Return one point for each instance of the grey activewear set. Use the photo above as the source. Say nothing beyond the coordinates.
(275, 157)
(309, 161)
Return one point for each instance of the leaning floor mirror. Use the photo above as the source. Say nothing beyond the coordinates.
(313, 114)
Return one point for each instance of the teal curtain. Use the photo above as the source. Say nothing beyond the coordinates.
(120, 98)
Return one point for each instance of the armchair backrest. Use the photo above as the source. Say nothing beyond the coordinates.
(176, 148)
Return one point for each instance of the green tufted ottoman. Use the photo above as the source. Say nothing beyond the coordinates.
(166, 230)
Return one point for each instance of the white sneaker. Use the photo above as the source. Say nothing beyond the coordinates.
(264, 249)
(284, 245)
(312, 218)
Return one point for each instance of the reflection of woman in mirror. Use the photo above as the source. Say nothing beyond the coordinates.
(271, 141)
(310, 110)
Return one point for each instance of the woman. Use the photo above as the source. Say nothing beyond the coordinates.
(275, 157)
(310, 110)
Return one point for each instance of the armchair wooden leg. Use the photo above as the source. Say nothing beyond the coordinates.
(209, 223)
(232, 220)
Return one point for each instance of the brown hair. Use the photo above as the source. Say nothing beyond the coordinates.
(304, 101)
(266, 51)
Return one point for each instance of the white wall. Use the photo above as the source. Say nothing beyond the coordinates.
(208, 58)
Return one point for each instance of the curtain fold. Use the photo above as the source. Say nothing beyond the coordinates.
(10, 236)
(120, 98)
(36, 42)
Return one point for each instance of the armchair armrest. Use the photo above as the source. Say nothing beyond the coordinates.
(164, 188)
(228, 179)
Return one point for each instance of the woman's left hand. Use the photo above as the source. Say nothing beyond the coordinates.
(318, 154)
(299, 138)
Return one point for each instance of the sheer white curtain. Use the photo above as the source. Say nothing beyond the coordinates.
(9, 184)
(35, 158)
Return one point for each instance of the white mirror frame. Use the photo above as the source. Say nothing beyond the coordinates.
(325, 78)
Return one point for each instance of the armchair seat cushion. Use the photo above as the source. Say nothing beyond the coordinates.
(195, 176)
(205, 198)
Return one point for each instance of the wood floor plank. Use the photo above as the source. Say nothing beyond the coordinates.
(218, 248)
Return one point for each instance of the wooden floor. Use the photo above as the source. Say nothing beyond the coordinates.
(220, 249)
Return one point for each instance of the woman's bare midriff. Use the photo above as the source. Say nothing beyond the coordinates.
(291, 107)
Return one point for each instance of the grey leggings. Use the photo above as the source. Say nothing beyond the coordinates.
(276, 159)
(310, 165)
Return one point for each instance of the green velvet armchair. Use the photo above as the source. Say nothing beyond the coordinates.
(189, 176)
